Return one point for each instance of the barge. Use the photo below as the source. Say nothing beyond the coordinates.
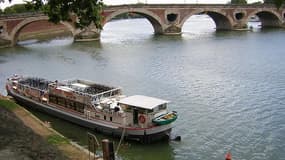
(99, 107)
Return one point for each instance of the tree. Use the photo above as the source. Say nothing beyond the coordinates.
(17, 8)
(87, 11)
(238, 2)
(277, 3)
(257, 3)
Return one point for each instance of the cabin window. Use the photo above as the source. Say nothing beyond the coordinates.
(61, 101)
(150, 111)
(81, 110)
(76, 108)
(52, 99)
(1, 29)
(79, 107)
(123, 106)
(141, 111)
(70, 104)
(128, 109)
(135, 116)
(162, 107)
(21, 87)
(79, 104)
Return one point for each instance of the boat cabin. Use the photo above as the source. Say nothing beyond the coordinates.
(140, 110)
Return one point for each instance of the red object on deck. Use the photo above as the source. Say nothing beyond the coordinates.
(228, 156)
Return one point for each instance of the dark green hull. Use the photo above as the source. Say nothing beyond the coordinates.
(165, 118)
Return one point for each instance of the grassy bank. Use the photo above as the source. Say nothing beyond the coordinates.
(23, 136)
(5, 103)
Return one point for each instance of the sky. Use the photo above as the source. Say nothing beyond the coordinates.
(116, 2)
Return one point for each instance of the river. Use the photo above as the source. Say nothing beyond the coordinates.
(227, 87)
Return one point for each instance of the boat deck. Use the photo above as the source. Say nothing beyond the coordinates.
(38, 83)
(90, 88)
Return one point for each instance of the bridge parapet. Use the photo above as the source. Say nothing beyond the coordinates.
(20, 15)
(193, 6)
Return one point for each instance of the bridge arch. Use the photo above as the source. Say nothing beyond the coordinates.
(268, 18)
(222, 21)
(150, 16)
(16, 30)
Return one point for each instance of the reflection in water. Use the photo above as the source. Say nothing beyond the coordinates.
(198, 26)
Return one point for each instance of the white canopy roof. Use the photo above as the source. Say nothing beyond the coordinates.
(80, 85)
(64, 88)
(144, 102)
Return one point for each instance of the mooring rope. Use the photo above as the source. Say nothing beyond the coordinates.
(122, 137)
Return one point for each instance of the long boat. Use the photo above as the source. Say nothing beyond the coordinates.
(99, 107)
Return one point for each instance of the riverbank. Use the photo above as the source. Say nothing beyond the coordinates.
(23, 136)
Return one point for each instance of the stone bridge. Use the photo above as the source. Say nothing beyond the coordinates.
(167, 19)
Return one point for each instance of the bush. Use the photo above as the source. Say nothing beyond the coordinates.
(18, 8)
(56, 139)
(238, 2)
(10, 105)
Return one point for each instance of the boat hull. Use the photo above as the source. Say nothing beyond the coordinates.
(166, 118)
(144, 135)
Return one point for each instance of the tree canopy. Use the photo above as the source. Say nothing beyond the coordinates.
(238, 1)
(17, 8)
(277, 3)
(86, 11)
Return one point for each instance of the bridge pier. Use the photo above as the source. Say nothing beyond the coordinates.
(172, 30)
(4, 37)
(4, 43)
(90, 33)
(240, 26)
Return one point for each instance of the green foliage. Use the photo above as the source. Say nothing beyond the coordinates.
(268, 1)
(17, 8)
(140, 3)
(128, 15)
(277, 3)
(257, 3)
(86, 11)
(56, 139)
(238, 2)
(10, 105)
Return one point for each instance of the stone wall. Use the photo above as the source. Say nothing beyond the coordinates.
(43, 30)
